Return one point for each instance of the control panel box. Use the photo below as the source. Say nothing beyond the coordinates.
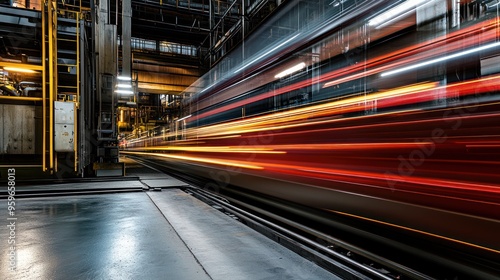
(64, 126)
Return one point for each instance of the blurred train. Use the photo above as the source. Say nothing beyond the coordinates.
(383, 111)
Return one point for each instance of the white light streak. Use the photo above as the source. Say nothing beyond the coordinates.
(291, 70)
(183, 118)
(425, 63)
(266, 53)
(395, 12)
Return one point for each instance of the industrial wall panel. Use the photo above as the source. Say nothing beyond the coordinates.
(28, 137)
(64, 126)
(17, 129)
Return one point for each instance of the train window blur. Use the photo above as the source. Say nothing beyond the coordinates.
(385, 56)
(393, 101)
(353, 42)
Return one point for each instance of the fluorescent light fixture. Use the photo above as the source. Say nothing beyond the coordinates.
(183, 118)
(266, 53)
(21, 70)
(124, 91)
(124, 85)
(291, 70)
(123, 78)
(425, 63)
(394, 13)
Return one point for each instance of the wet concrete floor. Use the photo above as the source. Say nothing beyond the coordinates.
(137, 235)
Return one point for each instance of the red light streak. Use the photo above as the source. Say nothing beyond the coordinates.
(416, 230)
(457, 40)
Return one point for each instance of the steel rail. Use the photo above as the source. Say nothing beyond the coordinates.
(342, 263)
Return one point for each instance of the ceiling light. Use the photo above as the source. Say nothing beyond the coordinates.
(291, 70)
(181, 119)
(124, 85)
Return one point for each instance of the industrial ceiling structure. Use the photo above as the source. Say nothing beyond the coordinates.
(73, 53)
(175, 42)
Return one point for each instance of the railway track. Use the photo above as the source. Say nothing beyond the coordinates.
(349, 250)
(341, 258)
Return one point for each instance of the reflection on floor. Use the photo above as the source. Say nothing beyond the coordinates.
(139, 235)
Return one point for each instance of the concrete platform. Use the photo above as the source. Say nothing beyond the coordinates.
(139, 235)
(149, 176)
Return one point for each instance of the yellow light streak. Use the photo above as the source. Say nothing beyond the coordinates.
(199, 159)
(213, 149)
(19, 70)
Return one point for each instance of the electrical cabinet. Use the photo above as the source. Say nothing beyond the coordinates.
(64, 126)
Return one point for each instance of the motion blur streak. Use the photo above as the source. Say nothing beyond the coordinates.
(389, 98)
(212, 149)
(270, 122)
(419, 231)
(429, 62)
(200, 159)
(314, 123)
(488, 33)
(394, 97)
(433, 48)
(357, 176)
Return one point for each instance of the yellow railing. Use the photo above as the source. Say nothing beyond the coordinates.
(49, 66)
